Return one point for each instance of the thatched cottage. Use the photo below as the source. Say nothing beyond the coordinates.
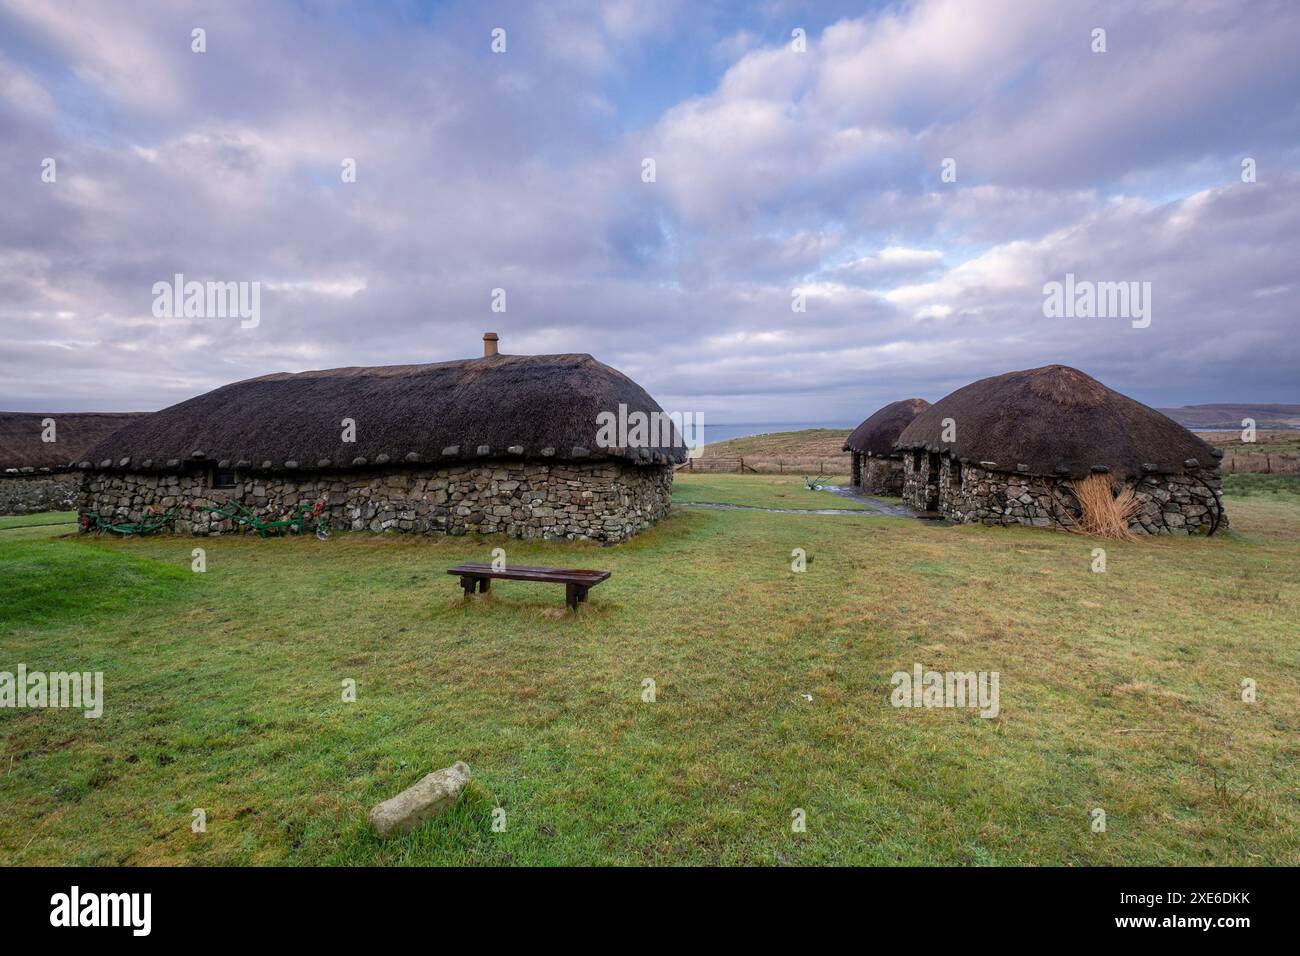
(38, 451)
(502, 443)
(877, 466)
(1009, 450)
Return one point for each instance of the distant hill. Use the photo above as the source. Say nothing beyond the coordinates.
(808, 443)
(810, 450)
(819, 449)
(1228, 416)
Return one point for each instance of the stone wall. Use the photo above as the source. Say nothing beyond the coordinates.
(968, 493)
(604, 501)
(881, 476)
(30, 493)
(916, 480)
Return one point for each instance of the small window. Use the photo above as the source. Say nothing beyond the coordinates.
(955, 480)
(223, 478)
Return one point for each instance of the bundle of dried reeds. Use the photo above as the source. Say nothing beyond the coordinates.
(1105, 512)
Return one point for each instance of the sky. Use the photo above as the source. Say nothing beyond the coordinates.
(798, 158)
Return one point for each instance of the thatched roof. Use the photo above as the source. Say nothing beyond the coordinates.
(876, 436)
(1057, 421)
(499, 406)
(23, 451)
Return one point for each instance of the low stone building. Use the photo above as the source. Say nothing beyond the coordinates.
(877, 466)
(502, 443)
(1006, 450)
(38, 451)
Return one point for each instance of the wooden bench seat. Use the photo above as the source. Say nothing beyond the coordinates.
(576, 582)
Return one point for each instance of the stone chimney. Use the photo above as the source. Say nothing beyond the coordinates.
(489, 344)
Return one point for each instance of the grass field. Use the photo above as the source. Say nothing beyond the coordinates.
(39, 518)
(807, 443)
(1287, 442)
(759, 491)
(809, 452)
(1119, 691)
(1251, 485)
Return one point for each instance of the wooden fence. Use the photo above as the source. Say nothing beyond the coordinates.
(763, 465)
(1254, 462)
(1268, 463)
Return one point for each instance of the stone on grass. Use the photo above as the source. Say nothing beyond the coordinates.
(420, 802)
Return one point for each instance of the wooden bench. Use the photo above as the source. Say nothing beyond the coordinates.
(576, 582)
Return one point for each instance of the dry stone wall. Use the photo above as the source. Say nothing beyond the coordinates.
(882, 476)
(603, 501)
(1190, 503)
(31, 493)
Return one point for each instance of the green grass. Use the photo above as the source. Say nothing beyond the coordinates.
(44, 585)
(222, 691)
(1252, 484)
(39, 519)
(759, 491)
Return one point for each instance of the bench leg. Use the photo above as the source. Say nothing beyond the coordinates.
(483, 585)
(467, 584)
(574, 593)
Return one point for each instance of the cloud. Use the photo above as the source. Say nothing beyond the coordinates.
(131, 59)
(892, 262)
(23, 91)
(781, 171)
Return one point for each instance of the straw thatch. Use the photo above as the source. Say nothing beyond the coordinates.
(23, 451)
(877, 435)
(499, 406)
(1057, 421)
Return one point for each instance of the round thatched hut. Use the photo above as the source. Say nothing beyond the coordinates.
(1011, 448)
(502, 443)
(38, 451)
(877, 466)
